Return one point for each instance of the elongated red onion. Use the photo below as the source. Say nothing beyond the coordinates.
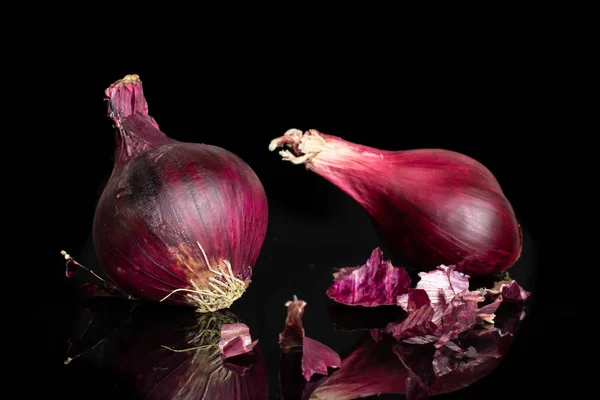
(430, 206)
(179, 222)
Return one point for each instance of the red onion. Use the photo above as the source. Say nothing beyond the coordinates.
(430, 206)
(179, 222)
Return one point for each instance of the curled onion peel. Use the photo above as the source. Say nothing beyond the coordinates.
(430, 206)
(317, 358)
(177, 222)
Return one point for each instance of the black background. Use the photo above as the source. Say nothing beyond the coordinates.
(484, 101)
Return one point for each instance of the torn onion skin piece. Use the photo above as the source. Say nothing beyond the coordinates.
(316, 357)
(486, 313)
(442, 306)
(510, 290)
(376, 283)
(459, 315)
(235, 340)
(419, 319)
(442, 284)
(293, 333)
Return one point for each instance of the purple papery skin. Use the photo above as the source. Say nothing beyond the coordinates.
(442, 284)
(376, 283)
(417, 323)
(459, 315)
(235, 340)
(293, 333)
(413, 300)
(486, 313)
(163, 198)
(510, 290)
(421, 339)
(442, 307)
(316, 357)
(419, 320)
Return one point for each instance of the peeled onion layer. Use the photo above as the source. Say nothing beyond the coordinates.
(430, 206)
(375, 283)
(441, 307)
(177, 222)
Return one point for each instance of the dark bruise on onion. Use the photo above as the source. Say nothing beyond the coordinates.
(430, 206)
(177, 222)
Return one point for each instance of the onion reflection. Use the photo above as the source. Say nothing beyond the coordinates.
(380, 364)
(167, 352)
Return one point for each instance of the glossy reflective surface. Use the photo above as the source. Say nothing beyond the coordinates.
(117, 347)
(164, 353)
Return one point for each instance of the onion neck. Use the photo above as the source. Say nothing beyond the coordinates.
(336, 159)
(136, 130)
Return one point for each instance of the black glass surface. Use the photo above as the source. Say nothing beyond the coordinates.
(113, 343)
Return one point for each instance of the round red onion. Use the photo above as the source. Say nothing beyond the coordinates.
(179, 222)
(430, 206)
